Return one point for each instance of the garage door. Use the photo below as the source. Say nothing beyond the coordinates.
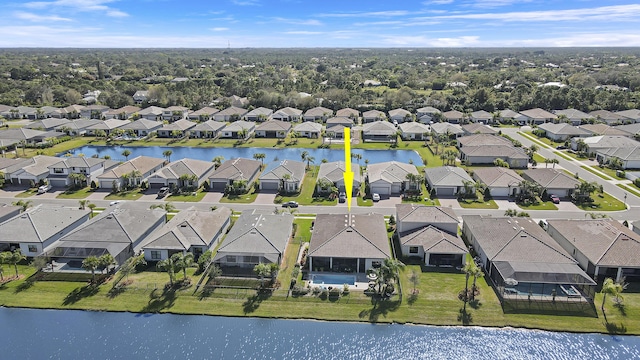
(445, 191)
(104, 184)
(382, 190)
(58, 182)
(500, 192)
(269, 185)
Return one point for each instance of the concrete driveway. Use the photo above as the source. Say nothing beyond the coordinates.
(213, 197)
(265, 198)
(98, 195)
(51, 194)
(388, 201)
(568, 205)
(450, 203)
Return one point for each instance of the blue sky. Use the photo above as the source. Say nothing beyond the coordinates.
(327, 23)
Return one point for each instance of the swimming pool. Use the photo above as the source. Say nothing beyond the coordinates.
(333, 279)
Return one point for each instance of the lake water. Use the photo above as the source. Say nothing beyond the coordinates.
(207, 154)
(55, 334)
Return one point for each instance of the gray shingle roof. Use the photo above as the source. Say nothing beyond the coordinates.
(447, 176)
(573, 114)
(605, 242)
(274, 125)
(143, 164)
(562, 129)
(434, 241)
(348, 112)
(444, 128)
(350, 236)
(550, 178)
(420, 213)
(40, 223)
(142, 124)
(177, 168)
(319, 111)
(276, 170)
(478, 128)
(538, 113)
(232, 110)
(209, 125)
(604, 129)
(483, 139)
(497, 176)
(308, 126)
(391, 171)
(236, 169)
(507, 151)
(412, 127)
(334, 171)
(180, 125)
(240, 125)
(379, 127)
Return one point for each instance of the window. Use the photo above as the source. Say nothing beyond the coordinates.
(33, 248)
(58, 171)
(231, 258)
(376, 264)
(156, 255)
(413, 249)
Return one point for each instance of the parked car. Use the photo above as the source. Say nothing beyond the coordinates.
(554, 199)
(164, 191)
(44, 188)
(290, 204)
(375, 197)
(561, 147)
(342, 197)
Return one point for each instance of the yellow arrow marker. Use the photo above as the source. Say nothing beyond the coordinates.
(348, 174)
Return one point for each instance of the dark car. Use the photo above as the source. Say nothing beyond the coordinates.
(561, 147)
(291, 204)
(342, 197)
(554, 199)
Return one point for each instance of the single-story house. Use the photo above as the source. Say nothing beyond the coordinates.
(174, 113)
(446, 180)
(500, 181)
(8, 211)
(29, 136)
(259, 114)
(446, 129)
(47, 124)
(308, 129)
(38, 227)
(318, 113)
(232, 113)
(399, 116)
(140, 96)
(391, 177)
(427, 110)
(234, 170)
(508, 115)
(575, 117)
(524, 263)
(31, 171)
(344, 121)
(434, 247)
(334, 173)
(119, 230)
(538, 116)
(176, 129)
(483, 140)
(610, 118)
(410, 217)
(562, 131)
(237, 128)
(141, 166)
(273, 129)
(552, 181)
(594, 144)
(283, 176)
(287, 114)
(51, 112)
(633, 114)
(349, 113)
(94, 111)
(348, 243)
(414, 131)
(153, 113)
(89, 167)
(209, 129)
(182, 173)
(204, 114)
(336, 131)
(629, 156)
(453, 117)
(255, 238)
(78, 126)
(482, 117)
(478, 128)
(189, 231)
(602, 247)
(122, 113)
(379, 131)
(373, 115)
(142, 127)
(238, 101)
(516, 157)
(107, 126)
(603, 129)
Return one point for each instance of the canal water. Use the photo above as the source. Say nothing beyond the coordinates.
(207, 154)
(56, 334)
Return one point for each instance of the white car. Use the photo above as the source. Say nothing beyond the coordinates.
(375, 197)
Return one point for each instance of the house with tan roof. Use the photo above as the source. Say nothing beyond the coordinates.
(478, 128)
(274, 129)
(575, 117)
(238, 130)
(333, 172)
(414, 131)
(204, 114)
(562, 131)
(30, 172)
(239, 169)
(175, 113)
(120, 176)
(189, 231)
(283, 176)
(182, 174)
(209, 129)
(78, 126)
(318, 113)
(349, 113)
(434, 247)
(482, 117)
(348, 243)
(142, 126)
(308, 129)
(510, 116)
(446, 180)
(633, 114)
(122, 113)
(153, 113)
(453, 117)
(373, 115)
(390, 177)
(427, 110)
(399, 116)
(231, 113)
(176, 129)
(89, 167)
(524, 263)
(107, 126)
(259, 114)
(552, 181)
(538, 116)
(604, 129)
(610, 118)
(444, 129)
(602, 247)
(287, 114)
(501, 182)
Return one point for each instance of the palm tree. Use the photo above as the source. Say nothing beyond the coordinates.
(168, 207)
(106, 260)
(91, 263)
(414, 179)
(390, 269)
(83, 204)
(77, 179)
(126, 154)
(3, 259)
(260, 156)
(467, 269)
(14, 258)
(262, 270)
(554, 162)
(310, 160)
(414, 278)
(183, 261)
(91, 206)
(304, 155)
(609, 287)
(167, 154)
(168, 266)
(476, 272)
(218, 160)
(24, 203)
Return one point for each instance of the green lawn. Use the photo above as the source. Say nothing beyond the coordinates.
(247, 198)
(27, 193)
(611, 172)
(630, 188)
(200, 194)
(422, 199)
(76, 194)
(59, 148)
(542, 205)
(539, 158)
(603, 202)
(478, 203)
(571, 155)
(364, 202)
(305, 197)
(591, 170)
(134, 194)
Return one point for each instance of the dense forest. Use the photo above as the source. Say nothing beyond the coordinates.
(461, 79)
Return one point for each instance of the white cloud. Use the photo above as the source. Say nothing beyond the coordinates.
(461, 41)
(79, 6)
(309, 22)
(437, 2)
(219, 29)
(303, 32)
(497, 3)
(246, 2)
(368, 14)
(37, 18)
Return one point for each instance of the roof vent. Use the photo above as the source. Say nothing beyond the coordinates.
(624, 239)
(349, 230)
(523, 235)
